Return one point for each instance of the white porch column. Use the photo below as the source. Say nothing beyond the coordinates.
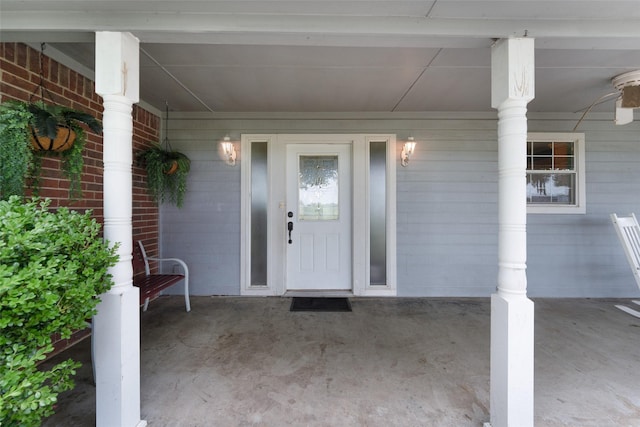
(116, 333)
(512, 87)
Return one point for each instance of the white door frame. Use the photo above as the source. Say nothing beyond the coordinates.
(277, 209)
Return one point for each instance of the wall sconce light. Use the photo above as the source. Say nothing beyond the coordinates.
(228, 151)
(407, 151)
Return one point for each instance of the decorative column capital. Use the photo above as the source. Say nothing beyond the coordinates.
(118, 65)
(512, 70)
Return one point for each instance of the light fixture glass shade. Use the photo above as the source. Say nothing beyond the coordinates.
(407, 151)
(229, 151)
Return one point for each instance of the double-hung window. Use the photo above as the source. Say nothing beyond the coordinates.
(555, 173)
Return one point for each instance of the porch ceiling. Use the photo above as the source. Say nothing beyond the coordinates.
(351, 55)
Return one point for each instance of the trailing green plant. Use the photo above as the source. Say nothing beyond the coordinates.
(21, 122)
(53, 267)
(167, 172)
(16, 155)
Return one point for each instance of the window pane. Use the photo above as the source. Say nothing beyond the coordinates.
(378, 213)
(552, 188)
(259, 195)
(564, 163)
(318, 188)
(563, 148)
(542, 148)
(542, 163)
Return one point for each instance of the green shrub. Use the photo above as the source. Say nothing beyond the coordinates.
(53, 266)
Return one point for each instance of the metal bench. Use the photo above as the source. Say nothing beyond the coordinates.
(628, 232)
(150, 287)
(152, 284)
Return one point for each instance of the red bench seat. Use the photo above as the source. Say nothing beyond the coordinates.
(152, 284)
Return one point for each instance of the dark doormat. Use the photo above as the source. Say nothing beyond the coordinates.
(320, 304)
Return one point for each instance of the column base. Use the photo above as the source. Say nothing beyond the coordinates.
(512, 360)
(116, 358)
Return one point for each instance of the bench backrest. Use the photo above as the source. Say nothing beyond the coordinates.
(140, 262)
(628, 232)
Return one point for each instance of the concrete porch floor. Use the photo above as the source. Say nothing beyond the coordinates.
(390, 362)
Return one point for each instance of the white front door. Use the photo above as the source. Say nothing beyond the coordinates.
(318, 217)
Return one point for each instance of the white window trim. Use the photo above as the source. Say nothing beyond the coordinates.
(580, 206)
(245, 214)
(390, 289)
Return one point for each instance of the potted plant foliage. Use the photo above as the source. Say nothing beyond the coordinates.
(29, 131)
(167, 172)
(53, 267)
(55, 128)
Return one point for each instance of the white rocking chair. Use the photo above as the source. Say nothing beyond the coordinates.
(628, 231)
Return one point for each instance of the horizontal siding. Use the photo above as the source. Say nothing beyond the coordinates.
(447, 214)
(580, 255)
(205, 233)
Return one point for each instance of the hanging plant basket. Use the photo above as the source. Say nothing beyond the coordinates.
(167, 172)
(40, 128)
(63, 141)
(170, 167)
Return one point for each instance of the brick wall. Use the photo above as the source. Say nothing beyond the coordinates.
(19, 79)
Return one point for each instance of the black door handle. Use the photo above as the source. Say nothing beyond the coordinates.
(290, 226)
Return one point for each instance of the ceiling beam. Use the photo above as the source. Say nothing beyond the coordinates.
(33, 36)
(314, 25)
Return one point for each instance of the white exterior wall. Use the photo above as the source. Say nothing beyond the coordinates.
(447, 210)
